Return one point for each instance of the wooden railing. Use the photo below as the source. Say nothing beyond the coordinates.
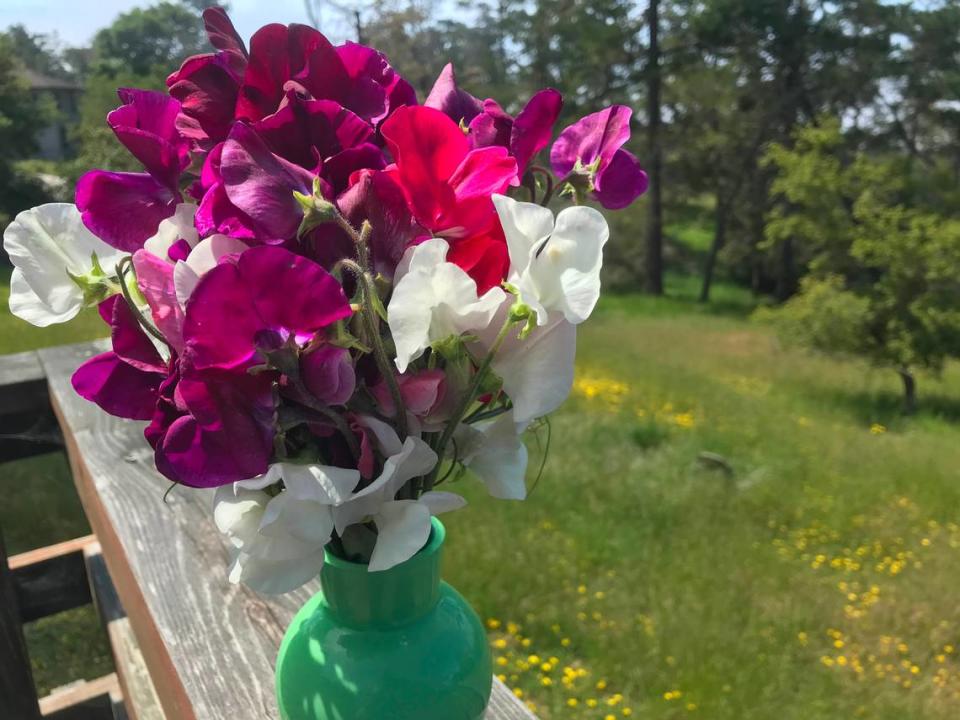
(193, 646)
(48, 580)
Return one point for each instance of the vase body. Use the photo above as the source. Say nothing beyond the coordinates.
(393, 645)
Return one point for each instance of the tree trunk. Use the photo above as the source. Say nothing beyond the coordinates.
(786, 273)
(909, 390)
(719, 238)
(653, 258)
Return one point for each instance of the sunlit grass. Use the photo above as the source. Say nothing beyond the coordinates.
(776, 576)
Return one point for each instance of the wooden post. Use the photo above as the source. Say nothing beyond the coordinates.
(18, 696)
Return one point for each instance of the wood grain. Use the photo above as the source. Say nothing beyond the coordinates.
(210, 646)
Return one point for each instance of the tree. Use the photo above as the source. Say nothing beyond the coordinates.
(653, 258)
(20, 115)
(884, 283)
(148, 41)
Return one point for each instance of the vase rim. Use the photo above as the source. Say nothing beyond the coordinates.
(437, 534)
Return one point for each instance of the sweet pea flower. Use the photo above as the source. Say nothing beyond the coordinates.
(403, 526)
(124, 381)
(278, 540)
(176, 235)
(328, 374)
(212, 427)
(494, 451)
(488, 123)
(54, 256)
(124, 209)
(537, 371)
(448, 186)
(593, 146)
(555, 264)
(434, 299)
(422, 393)
(257, 303)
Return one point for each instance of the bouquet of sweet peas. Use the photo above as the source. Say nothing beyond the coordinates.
(322, 296)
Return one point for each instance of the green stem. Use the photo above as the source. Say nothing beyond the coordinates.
(372, 323)
(466, 402)
(304, 397)
(128, 297)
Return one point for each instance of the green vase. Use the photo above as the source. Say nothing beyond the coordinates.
(393, 645)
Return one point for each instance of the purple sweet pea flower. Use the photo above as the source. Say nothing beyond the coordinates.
(489, 124)
(447, 97)
(258, 301)
(594, 145)
(261, 185)
(124, 209)
(124, 381)
(328, 374)
(323, 137)
(213, 427)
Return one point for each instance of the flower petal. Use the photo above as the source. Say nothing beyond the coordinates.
(403, 528)
(124, 209)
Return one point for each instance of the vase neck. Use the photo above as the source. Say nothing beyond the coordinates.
(387, 598)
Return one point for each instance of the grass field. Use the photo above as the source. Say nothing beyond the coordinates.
(805, 568)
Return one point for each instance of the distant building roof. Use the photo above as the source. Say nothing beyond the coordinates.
(39, 81)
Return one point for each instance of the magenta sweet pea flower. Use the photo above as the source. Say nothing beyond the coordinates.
(124, 209)
(593, 145)
(124, 381)
(256, 302)
(448, 187)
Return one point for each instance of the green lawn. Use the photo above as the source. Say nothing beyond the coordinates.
(816, 579)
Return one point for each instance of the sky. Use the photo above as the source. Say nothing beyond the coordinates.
(76, 21)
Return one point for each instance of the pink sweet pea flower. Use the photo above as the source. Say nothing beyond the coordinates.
(423, 394)
(448, 187)
(593, 145)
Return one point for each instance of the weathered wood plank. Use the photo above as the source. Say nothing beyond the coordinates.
(84, 700)
(51, 579)
(210, 646)
(18, 698)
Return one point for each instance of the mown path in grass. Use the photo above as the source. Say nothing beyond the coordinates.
(806, 568)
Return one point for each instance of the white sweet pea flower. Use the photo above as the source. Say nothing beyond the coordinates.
(434, 299)
(555, 265)
(495, 453)
(278, 540)
(403, 526)
(537, 370)
(203, 258)
(50, 246)
(178, 226)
